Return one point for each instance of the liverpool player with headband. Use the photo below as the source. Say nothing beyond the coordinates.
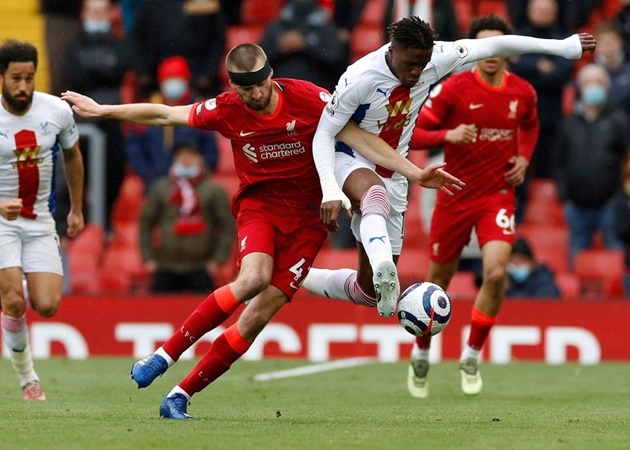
(34, 127)
(383, 93)
(271, 124)
(489, 127)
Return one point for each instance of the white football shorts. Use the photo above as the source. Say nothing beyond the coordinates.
(31, 245)
(397, 189)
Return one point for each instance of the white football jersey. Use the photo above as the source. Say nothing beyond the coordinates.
(371, 95)
(29, 147)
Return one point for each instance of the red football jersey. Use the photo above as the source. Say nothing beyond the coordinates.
(272, 153)
(507, 125)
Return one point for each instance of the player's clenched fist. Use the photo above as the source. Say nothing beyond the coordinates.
(10, 209)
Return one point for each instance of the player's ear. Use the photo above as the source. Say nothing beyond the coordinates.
(232, 85)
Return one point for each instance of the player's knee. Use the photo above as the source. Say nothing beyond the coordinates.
(375, 201)
(46, 310)
(495, 279)
(13, 303)
(253, 282)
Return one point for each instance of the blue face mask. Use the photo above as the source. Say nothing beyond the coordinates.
(519, 273)
(174, 88)
(96, 26)
(594, 95)
(182, 171)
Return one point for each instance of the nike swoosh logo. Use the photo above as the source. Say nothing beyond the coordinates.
(475, 105)
(243, 134)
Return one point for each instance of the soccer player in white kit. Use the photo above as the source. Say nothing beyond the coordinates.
(383, 93)
(34, 127)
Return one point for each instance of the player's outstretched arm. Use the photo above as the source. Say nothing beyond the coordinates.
(142, 113)
(379, 152)
(572, 47)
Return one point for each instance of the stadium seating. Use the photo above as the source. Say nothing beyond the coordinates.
(568, 284)
(85, 253)
(600, 273)
(365, 39)
(373, 13)
(260, 12)
(463, 286)
(235, 35)
(413, 265)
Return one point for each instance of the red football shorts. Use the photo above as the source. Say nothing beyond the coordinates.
(492, 218)
(293, 252)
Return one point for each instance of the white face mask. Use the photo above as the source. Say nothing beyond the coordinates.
(174, 88)
(96, 26)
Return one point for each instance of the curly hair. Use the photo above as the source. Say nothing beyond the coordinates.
(490, 22)
(16, 51)
(412, 32)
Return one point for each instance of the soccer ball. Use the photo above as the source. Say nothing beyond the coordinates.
(424, 309)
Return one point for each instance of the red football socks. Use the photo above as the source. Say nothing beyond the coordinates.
(226, 349)
(480, 326)
(211, 313)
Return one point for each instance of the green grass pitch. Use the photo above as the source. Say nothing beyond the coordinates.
(94, 405)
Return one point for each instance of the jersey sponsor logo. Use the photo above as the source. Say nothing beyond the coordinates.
(211, 103)
(243, 133)
(273, 151)
(513, 107)
(250, 152)
(27, 157)
(473, 106)
(496, 134)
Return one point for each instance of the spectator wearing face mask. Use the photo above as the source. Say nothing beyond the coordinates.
(149, 148)
(609, 55)
(589, 150)
(96, 62)
(527, 277)
(196, 228)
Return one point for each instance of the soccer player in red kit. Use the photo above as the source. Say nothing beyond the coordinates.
(271, 124)
(489, 128)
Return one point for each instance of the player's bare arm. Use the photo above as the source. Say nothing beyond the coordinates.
(73, 167)
(516, 175)
(379, 152)
(141, 113)
(10, 209)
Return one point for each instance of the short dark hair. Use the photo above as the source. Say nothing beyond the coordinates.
(522, 247)
(243, 58)
(185, 147)
(490, 22)
(16, 51)
(412, 32)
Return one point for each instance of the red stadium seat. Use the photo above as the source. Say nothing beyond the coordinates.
(260, 12)
(235, 35)
(462, 286)
(600, 273)
(229, 182)
(547, 213)
(130, 200)
(364, 40)
(413, 266)
(332, 258)
(226, 158)
(542, 190)
(373, 13)
(569, 285)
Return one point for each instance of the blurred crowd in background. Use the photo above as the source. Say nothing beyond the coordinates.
(573, 214)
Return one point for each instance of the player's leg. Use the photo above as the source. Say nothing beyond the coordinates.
(496, 255)
(450, 231)
(418, 371)
(225, 350)
(253, 278)
(256, 269)
(495, 230)
(295, 253)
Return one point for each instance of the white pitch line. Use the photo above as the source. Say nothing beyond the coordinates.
(313, 368)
